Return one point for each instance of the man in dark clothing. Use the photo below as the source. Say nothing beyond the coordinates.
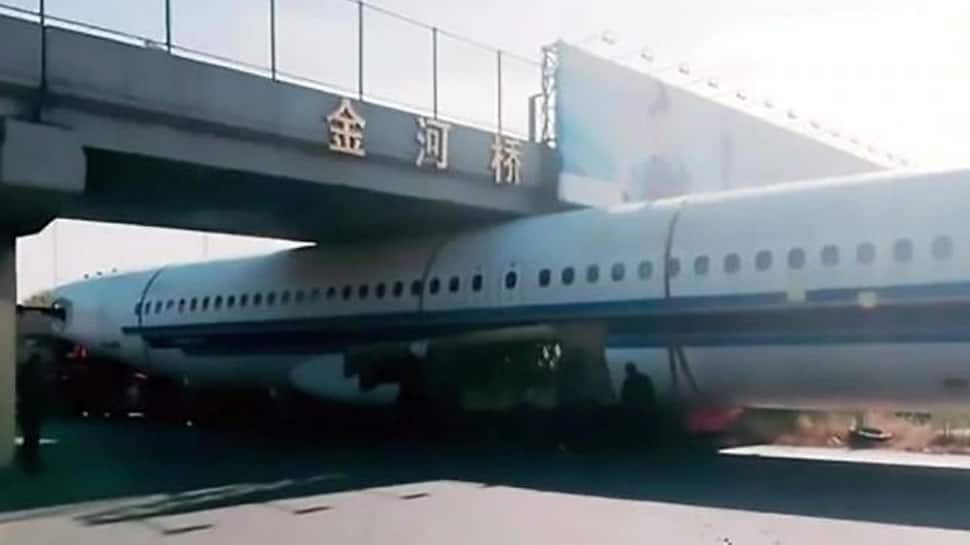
(638, 402)
(30, 404)
(637, 393)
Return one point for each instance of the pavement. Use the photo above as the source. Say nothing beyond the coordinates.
(109, 482)
(876, 456)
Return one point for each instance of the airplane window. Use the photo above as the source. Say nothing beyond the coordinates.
(217, 302)
(511, 280)
(416, 288)
(618, 272)
(865, 253)
(702, 264)
(645, 270)
(243, 300)
(346, 293)
(732, 263)
(363, 291)
(181, 306)
(331, 293)
(434, 286)
(205, 303)
(285, 298)
(194, 304)
(299, 297)
(380, 291)
(147, 309)
(398, 289)
(158, 307)
(762, 260)
(942, 247)
(257, 299)
(315, 295)
(454, 284)
(903, 250)
(796, 259)
(545, 276)
(830, 255)
(673, 267)
(477, 281)
(592, 274)
(137, 309)
(169, 305)
(231, 301)
(568, 275)
(271, 298)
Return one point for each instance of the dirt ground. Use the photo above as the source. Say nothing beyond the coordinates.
(944, 434)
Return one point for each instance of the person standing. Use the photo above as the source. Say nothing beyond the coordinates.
(638, 402)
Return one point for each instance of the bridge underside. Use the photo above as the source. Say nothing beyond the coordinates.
(148, 191)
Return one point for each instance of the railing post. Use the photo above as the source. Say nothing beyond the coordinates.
(41, 97)
(533, 114)
(434, 69)
(168, 25)
(499, 68)
(360, 49)
(272, 38)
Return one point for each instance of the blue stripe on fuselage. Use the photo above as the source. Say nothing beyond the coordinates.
(919, 313)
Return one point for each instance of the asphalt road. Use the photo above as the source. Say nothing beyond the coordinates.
(137, 482)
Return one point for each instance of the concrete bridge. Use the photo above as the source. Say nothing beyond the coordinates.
(97, 129)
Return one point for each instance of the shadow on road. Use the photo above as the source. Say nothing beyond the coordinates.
(172, 470)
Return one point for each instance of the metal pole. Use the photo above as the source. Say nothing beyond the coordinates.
(360, 49)
(499, 67)
(41, 98)
(434, 68)
(533, 109)
(168, 25)
(272, 38)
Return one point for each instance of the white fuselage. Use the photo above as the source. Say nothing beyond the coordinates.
(835, 294)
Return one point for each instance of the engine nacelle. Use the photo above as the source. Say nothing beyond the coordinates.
(327, 377)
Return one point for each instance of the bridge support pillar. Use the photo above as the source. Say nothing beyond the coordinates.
(8, 343)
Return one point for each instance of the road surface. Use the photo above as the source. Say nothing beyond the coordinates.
(117, 482)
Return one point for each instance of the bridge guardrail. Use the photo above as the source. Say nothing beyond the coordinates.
(348, 47)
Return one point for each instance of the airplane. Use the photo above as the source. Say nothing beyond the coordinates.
(845, 293)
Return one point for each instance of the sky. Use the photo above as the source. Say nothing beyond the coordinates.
(892, 73)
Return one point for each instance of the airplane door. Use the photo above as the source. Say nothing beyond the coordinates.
(510, 285)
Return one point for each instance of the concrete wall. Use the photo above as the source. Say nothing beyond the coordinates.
(184, 95)
(185, 92)
(628, 135)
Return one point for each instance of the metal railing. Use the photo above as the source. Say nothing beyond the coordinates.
(348, 47)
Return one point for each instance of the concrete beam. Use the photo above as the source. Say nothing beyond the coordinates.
(41, 167)
(8, 344)
(41, 157)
